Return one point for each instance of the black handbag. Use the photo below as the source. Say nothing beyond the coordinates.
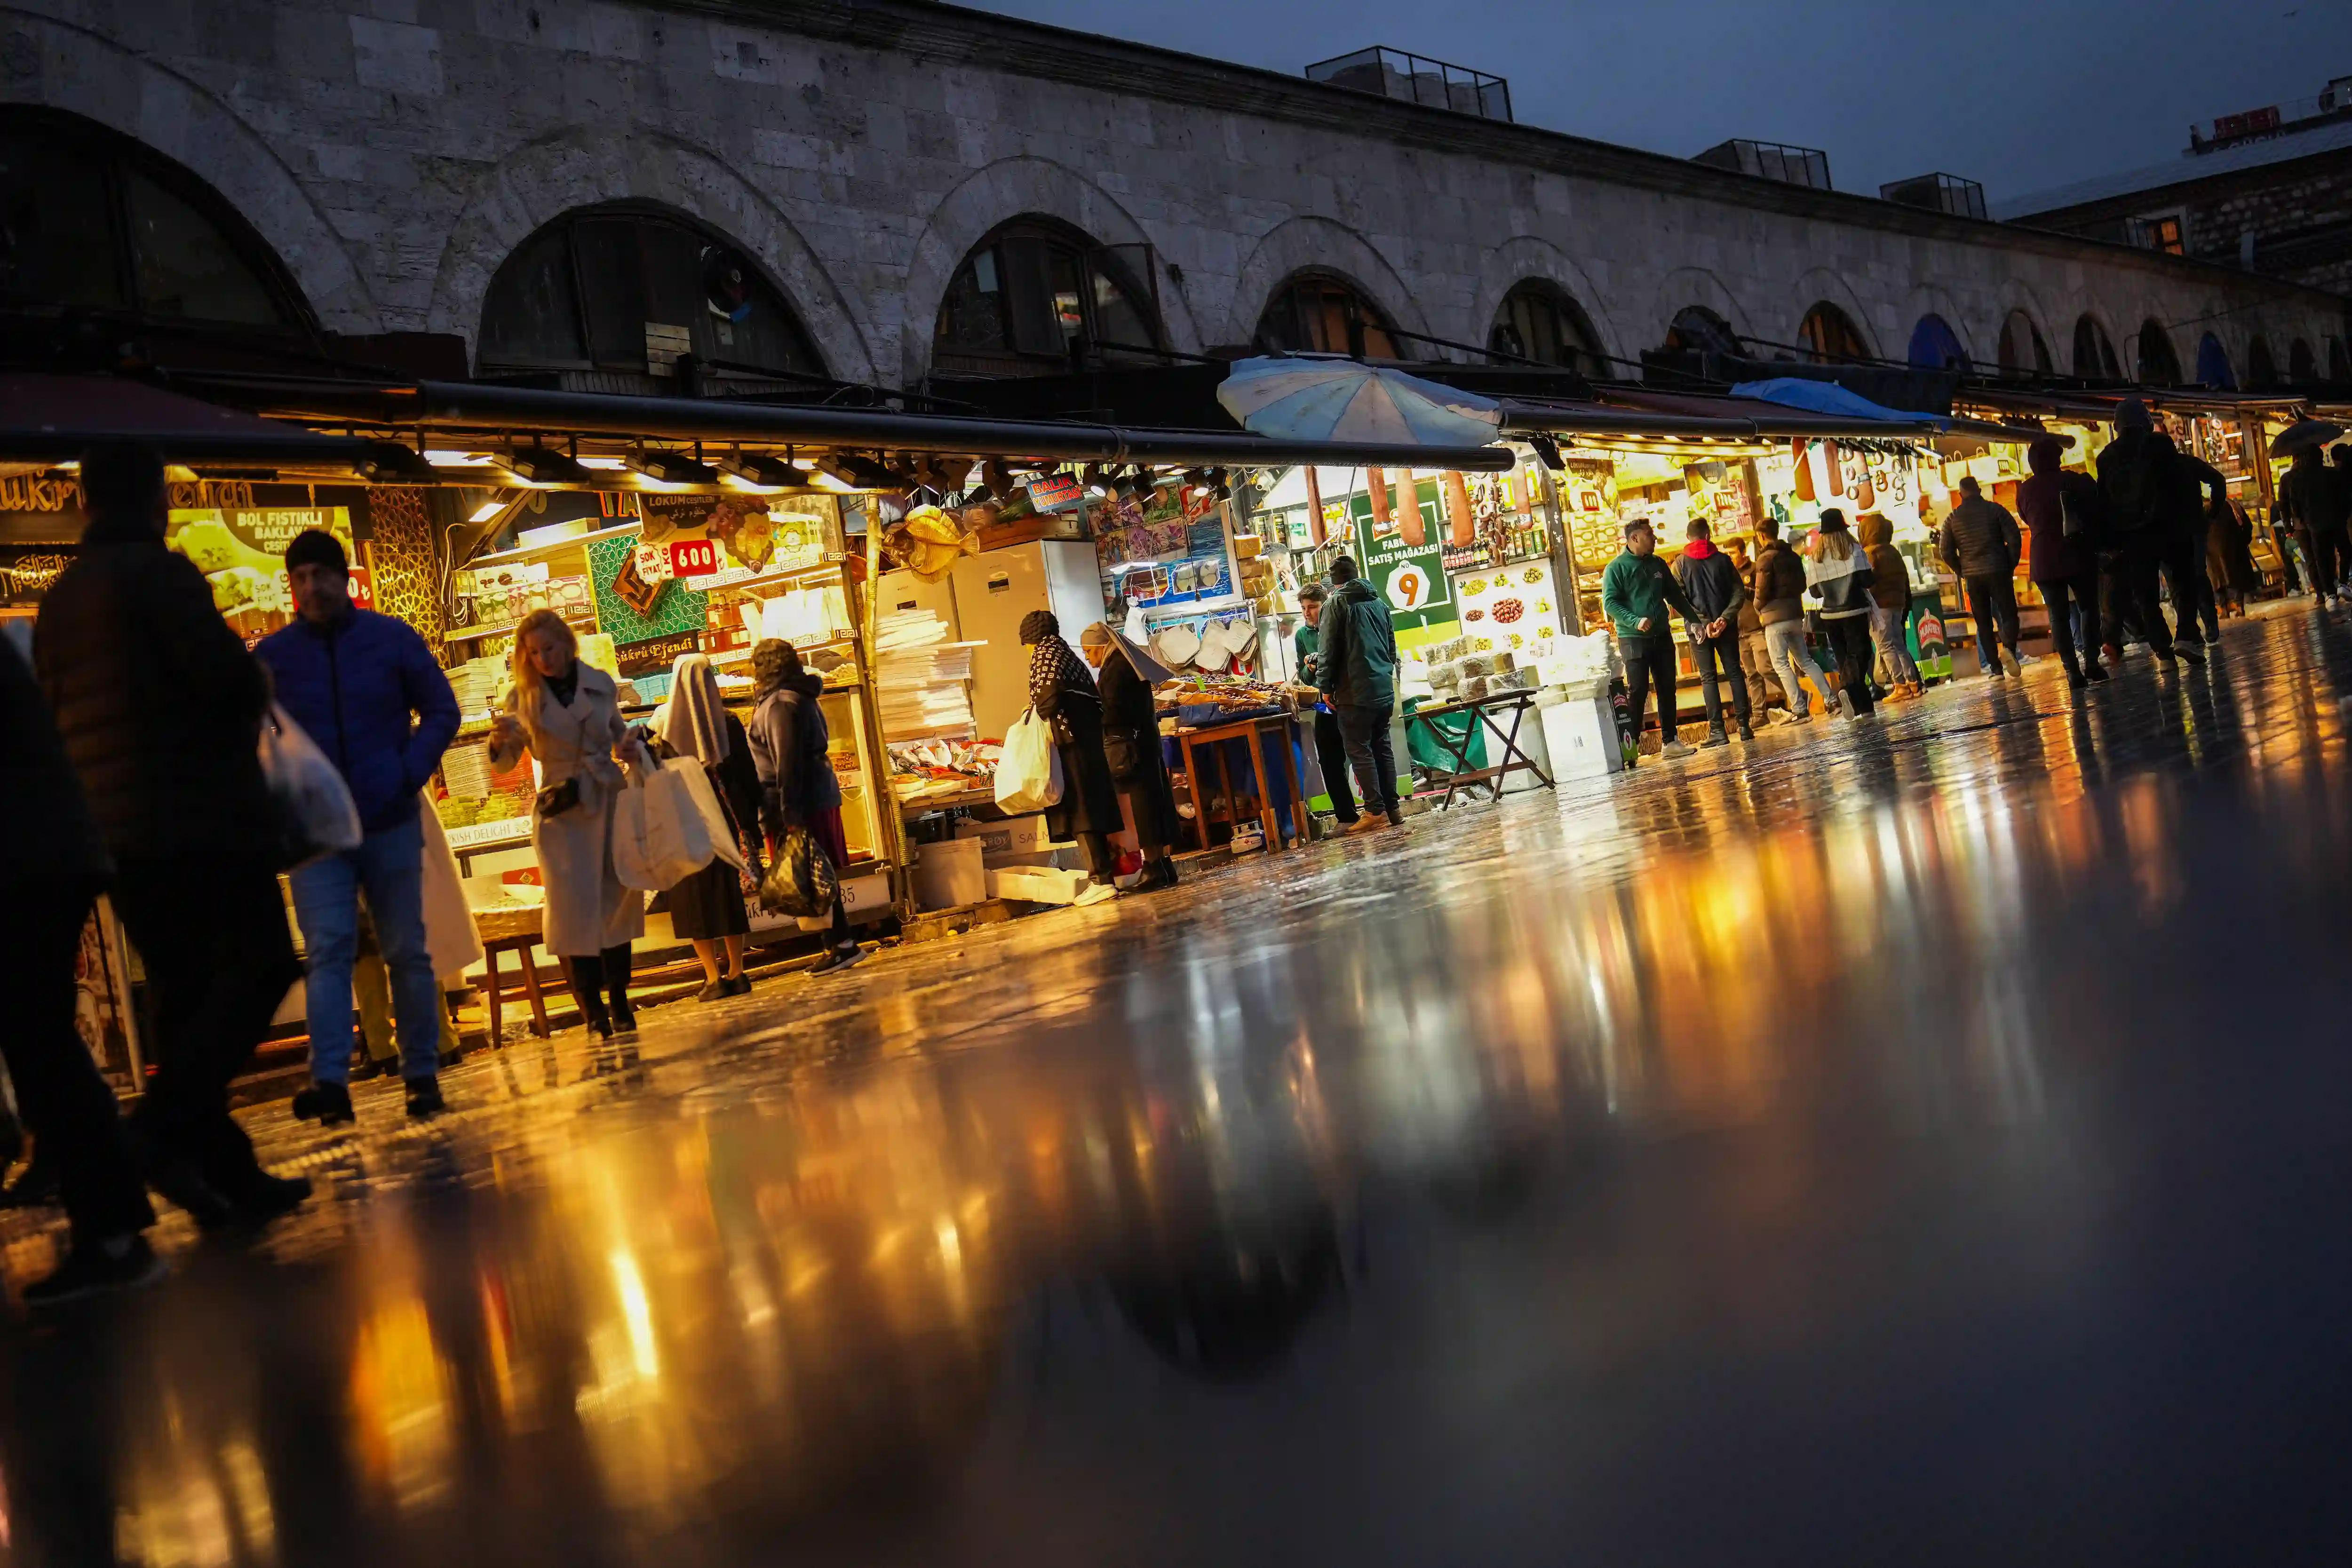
(558, 798)
(803, 882)
(1123, 750)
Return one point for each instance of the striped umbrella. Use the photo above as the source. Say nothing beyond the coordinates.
(1323, 398)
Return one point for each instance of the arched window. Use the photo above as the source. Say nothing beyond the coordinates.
(1539, 320)
(1037, 297)
(1829, 336)
(2301, 367)
(2213, 365)
(1699, 330)
(2094, 352)
(631, 287)
(2159, 365)
(2340, 366)
(2021, 348)
(93, 220)
(2261, 371)
(1319, 312)
(1935, 346)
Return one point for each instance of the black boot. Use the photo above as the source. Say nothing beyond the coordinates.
(425, 1097)
(588, 990)
(328, 1104)
(616, 964)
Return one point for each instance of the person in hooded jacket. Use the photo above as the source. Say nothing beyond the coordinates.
(161, 709)
(1712, 586)
(1355, 669)
(707, 907)
(1062, 692)
(1981, 546)
(49, 878)
(1890, 606)
(2064, 566)
(791, 750)
(2140, 488)
(1139, 764)
(1837, 572)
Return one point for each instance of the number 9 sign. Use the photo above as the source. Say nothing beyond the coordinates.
(1408, 586)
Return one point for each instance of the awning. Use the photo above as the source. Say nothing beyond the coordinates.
(1830, 400)
(51, 420)
(495, 417)
(2099, 405)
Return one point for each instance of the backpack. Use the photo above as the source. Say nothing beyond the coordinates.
(2134, 485)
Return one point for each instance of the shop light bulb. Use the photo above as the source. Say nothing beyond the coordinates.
(441, 458)
(487, 511)
(608, 464)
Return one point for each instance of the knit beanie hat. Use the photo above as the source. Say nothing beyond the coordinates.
(317, 547)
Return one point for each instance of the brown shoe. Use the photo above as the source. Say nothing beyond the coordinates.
(1371, 822)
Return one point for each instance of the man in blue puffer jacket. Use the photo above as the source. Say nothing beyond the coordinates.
(367, 691)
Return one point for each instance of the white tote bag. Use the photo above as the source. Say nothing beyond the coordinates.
(706, 801)
(658, 836)
(1029, 773)
(316, 817)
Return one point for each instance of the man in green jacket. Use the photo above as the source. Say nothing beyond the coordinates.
(1331, 750)
(1355, 670)
(1635, 593)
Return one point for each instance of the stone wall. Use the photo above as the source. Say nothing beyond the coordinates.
(394, 152)
(2300, 214)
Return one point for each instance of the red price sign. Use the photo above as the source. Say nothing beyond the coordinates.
(693, 557)
(362, 588)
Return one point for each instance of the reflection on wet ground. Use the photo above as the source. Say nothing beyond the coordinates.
(1919, 1145)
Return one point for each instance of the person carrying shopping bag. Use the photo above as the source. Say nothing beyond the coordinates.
(797, 787)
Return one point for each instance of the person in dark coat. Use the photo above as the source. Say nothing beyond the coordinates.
(1331, 746)
(707, 908)
(2064, 566)
(1062, 693)
(1125, 674)
(1890, 605)
(2184, 568)
(161, 709)
(2230, 558)
(1981, 545)
(797, 786)
(2319, 498)
(2141, 495)
(1356, 671)
(49, 878)
(1713, 586)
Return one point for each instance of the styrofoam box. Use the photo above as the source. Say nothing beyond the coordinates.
(949, 875)
(1013, 835)
(1580, 735)
(859, 895)
(1037, 884)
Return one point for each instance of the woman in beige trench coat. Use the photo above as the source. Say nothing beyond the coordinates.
(566, 714)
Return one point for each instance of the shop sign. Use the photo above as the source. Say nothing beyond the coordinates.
(656, 653)
(363, 587)
(241, 550)
(754, 534)
(1055, 492)
(694, 557)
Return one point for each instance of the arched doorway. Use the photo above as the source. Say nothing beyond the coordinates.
(1698, 331)
(2301, 367)
(1037, 297)
(2261, 371)
(1321, 313)
(1935, 346)
(1539, 320)
(1830, 337)
(2021, 348)
(2094, 351)
(2213, 365)
(2159, 363)
(631, 289)
(93, 221)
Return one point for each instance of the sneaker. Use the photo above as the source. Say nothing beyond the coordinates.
(424, 1100)
(2190, 651)
(1714, 738)
(1805, 718)
(328, 1104)
(839, 958)
(92, 1268)
(1094, 893)
(1672, 749)
(2095, 673)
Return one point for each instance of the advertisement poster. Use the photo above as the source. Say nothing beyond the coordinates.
(754, 534)
(241, 550)
(1410, 577)
(1509, 606)
(633, 611)
(1168, 548)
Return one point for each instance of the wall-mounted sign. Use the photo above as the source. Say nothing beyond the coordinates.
(1055, 492)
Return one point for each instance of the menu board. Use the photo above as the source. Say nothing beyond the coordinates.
(1511, 606)
(754, 534)
(241, 550)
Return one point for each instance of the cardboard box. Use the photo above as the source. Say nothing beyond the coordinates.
(949, 875)
(862, 896)
(1012, 835)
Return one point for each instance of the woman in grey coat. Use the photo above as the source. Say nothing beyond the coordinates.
(567, 715)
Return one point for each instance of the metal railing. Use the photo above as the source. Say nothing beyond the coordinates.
(1770, 161)
(1415, 78)
(2272, 120)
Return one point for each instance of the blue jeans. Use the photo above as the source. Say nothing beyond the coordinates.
(389, 867)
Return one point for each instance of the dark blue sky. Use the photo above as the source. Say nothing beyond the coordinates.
(2020, 94)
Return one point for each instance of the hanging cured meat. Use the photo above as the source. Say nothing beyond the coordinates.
(1414, 527)
(1376, 487)
(1461, 524)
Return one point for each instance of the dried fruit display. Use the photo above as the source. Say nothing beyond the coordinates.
(1507, 611)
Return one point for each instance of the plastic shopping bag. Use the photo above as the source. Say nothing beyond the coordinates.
(658, 836)
(1029, 773)
(803, 882)
(723, 842)
(315, 816)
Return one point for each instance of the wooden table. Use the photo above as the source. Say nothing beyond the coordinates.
(1514, 760)
(1254, 732)
(516, 931)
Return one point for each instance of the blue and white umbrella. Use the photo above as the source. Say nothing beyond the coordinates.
(1320, 398)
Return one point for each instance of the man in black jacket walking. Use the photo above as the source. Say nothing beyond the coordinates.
(1982, 547)
(1712, 585)
(2142, 491)
(160, 709)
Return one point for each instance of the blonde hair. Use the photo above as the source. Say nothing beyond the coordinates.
(526, 674)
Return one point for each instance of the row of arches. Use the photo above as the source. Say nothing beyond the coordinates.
(93, 219)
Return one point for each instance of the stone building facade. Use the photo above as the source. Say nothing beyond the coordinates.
(395, 153)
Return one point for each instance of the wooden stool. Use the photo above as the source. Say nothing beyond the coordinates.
(1254, 731)
(510, 936)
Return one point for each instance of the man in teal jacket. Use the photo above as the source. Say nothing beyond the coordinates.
(1635, 593)
(1355, 670)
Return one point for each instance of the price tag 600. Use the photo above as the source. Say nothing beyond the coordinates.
(694, 557)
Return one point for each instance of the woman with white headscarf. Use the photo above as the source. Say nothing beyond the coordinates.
(707, 908)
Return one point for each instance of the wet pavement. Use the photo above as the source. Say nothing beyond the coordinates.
(1920, 1142)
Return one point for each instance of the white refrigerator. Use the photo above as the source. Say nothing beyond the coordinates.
(992, 592)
